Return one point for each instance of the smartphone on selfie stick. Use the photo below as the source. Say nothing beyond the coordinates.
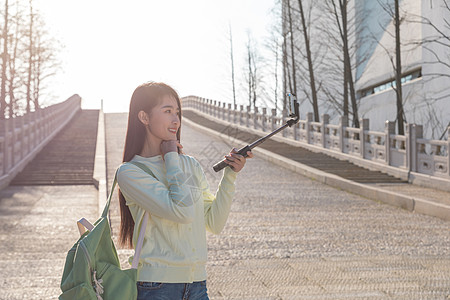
(295, 117)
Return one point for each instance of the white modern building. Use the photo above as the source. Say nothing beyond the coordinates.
(425, 43)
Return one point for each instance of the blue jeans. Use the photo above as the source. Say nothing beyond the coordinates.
(172, 291)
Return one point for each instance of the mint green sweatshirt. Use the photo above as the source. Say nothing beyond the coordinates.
(181, 208)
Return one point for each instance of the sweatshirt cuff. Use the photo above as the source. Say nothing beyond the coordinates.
(229, 174)
(172, 161)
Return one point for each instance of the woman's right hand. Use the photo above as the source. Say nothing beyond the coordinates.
(169, 146)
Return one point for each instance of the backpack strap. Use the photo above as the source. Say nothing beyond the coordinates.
(137, 164)
(137, 252)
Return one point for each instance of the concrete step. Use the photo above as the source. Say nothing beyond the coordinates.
(69, 158)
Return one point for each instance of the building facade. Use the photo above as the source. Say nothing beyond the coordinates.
(425, 55)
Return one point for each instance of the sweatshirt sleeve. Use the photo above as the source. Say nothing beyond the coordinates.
(217, 207)
(174, 202)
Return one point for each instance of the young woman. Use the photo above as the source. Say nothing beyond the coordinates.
(180, 204)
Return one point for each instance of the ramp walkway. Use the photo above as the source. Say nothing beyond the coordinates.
(319, 161)
(368, 183)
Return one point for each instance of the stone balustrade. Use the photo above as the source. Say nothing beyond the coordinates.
(21, 138)
(384, 151)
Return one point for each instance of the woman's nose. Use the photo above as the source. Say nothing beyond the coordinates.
(176, 119)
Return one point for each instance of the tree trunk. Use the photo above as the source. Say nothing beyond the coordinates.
(12, 63)
(310, 65)
(286, 76)
(4, 63)
(250, 75)
(345, 96)
(294, 79)
(348, 69)
(398, 72)
(276, 75)
(30, 59)
(232, 67)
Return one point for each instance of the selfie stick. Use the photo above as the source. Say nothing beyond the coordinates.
(295, 115)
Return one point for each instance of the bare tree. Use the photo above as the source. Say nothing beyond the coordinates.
(254, 74)
(284, 51)
(394, 12)
(251, 69)
(310, 63)
(293, 84)
(30, 57)
(45, 62)
(4, 63)
(341, 15)
(274, 45)
(232, 64)
(14, 60)
(398, 71)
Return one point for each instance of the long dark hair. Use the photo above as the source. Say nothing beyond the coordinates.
(145, 97)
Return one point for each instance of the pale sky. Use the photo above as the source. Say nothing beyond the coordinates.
(113, 46)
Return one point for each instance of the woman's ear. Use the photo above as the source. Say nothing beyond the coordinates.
(143, 117)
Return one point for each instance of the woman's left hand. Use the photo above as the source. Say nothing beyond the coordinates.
(237, 161)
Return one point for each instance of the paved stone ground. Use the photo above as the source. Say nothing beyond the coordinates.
(37, 228)
(289, 237)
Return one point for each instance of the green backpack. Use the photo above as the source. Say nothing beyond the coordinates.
(92, 267)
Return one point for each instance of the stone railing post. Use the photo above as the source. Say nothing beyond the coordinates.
(241, 115)
(325, 122)
(389, 128)
(283, 120)
(248, 117)
(343, 123)
(235, 113)
(34, 130)
(274, 120)
(218, 110)
(363, 126)
(229, 112)
(26, 129)
(264, 118)
(224, 112)
(38, 126)
(12, 128)
(255, 118)
(309, 119)
(22, 137)
(6, 141)
(410, 136)
(215, 108)
(448, 150)
(218, 106)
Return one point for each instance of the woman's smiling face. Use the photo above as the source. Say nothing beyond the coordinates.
(164, 120)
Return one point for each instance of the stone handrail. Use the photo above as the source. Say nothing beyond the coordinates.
(410, 157)
(21, 138)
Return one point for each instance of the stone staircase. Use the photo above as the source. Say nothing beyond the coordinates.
(68, 159)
